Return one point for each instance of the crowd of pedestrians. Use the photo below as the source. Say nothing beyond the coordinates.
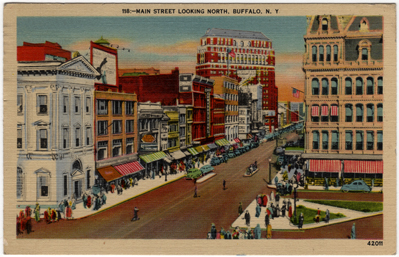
(237, 233)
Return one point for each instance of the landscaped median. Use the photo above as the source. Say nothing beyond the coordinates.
(352, 205)
(309, 215)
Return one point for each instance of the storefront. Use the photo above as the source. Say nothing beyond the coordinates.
(130, 170)
(223, 144)
(320, 171)
(152, 164)
(106, 175)
(213, 147)
(178, 160)
(187, 159)
(195, 155)
(201, 153)
(363, 169)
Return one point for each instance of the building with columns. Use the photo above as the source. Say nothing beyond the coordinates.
(55, 130)
(343, 65)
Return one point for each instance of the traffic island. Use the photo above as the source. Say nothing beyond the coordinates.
(206, 177)
(250, 175)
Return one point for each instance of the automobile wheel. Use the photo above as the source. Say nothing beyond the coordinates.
(345, 191)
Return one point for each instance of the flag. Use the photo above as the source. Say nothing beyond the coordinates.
(295, 92)
(232, 54)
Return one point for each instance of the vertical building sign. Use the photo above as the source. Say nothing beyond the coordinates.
(208, 111)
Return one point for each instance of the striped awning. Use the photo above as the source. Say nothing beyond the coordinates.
(222, 142)
(324, 110)
(178, 155)
(193, 151)
(129, 168)
(199, 149)
(206, 148)
(109, 173)
(324, 165)
(315, 110)
(152, 157)
(237, 140)
(334, 110)
(187, 153)
(212, 146)
(368, 167)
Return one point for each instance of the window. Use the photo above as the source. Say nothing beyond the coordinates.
(334, 113)
(365, 55)
(65, 185)
(77, 137)
(324, 24)
(324, 113)
(348, 113)
(379, 113)
(173, 128)
(359, 113)
(334, 140)
(88, 136)
(116, 127)
(182, 132)
(116, 147)
(102, 150)
(19, 138)
(334, 86)
(314, 53)
(335, 53)
(88, 179)
(324, 87)
(117, 107)
(42, 139)
(348, 140)
(129, 126)
(370, 112)
(88, 103)
(328, 56)
(129, 145)
(359, 140)
(321, 53)
(370, 140)
(348, 86)
(370, 86)
(65, 138)
(324, 140)
(42, 104)
(65, 104)
(171, 142)
(315, 87)
(102, 107)
(379, 88)
(20, 183)
(43, 186)
(359, 86)
(129, 107)
(20, 103)
(102, 128)
(77, 104)
(379, 140)
(182, 118)
(315, 140)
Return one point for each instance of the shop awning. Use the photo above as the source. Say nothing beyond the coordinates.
(153, 157)
(178, 155)
(237, 140)
(109, 173)
(166, 159)
(129, 168)
(199, 149)
(324, 165)
(212, 146)
(206, 148)
(192, 151)
(334, 110)
(324, 110)
(368, 167)
(222, 142)
(315, 110)
(187, 153)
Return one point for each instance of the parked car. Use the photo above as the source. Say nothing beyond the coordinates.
(279, 150)
(215, 161)
(357, 185)
(193, 173)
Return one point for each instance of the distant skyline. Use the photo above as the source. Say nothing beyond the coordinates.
(168, 42)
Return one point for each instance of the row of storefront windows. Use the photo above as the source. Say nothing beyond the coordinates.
(325, 115)
(102, 107)
(117, 146)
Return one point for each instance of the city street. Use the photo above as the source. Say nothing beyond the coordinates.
(172, 212)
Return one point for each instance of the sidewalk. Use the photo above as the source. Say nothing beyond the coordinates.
(283, 223)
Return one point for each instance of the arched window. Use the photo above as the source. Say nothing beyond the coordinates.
(379, 112)
(359, 113)
(20, 183)
(370, 112)
(321, 53)
(359, 86)
(316, 139)
(324, 87)
(324, 140)
(370, 86)
(370, 140)
(334, 86)
(379, 140)
(348, 86)
(334, 113)
(334, 140)
(324, 24)
(365, 55)
(328, 52)
(335, 53)
(314, 53)
(359, 140)
(324, 113)
(348, 113)
(348, 140)
(315, 86)
(315, 113)
(380, 89)
(76, 165)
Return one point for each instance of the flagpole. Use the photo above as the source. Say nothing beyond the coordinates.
(298, 90)
(227, 56)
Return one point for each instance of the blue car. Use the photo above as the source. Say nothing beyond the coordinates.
(357, 185)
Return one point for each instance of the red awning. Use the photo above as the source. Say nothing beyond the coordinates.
(325, 165)
(315, 110)
(334, 110)
(369, 167)
(237, 140)
(109, 173)
(324, 110)
(129, 168)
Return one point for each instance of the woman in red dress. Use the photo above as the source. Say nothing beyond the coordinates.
(89, 201)
(68, 212)
(112, 188)
(290, 212)
(46, 217)
(264, 200)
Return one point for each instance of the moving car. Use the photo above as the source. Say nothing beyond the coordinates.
(279, 150)
(357, 185)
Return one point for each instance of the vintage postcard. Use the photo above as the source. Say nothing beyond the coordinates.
(200, 129)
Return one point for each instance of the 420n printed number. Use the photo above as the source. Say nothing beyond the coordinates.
(375, 243)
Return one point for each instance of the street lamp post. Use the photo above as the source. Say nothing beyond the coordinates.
(270, 170)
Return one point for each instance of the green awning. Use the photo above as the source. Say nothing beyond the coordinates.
(222, 142)
(199, 149)
(153, 157)
(193, 151)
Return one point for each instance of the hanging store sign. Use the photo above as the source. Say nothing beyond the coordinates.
(208, 111)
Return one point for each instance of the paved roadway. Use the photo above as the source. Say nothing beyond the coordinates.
(172, 212)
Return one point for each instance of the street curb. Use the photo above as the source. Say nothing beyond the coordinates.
(207, 178)
(128, 199)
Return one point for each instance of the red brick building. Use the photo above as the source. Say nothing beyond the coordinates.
(251, 61)
(47, 51)
(218, 117)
